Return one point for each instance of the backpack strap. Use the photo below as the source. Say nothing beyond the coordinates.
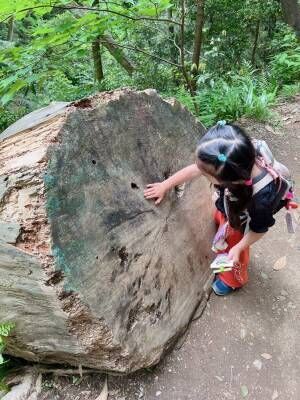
(261, 181)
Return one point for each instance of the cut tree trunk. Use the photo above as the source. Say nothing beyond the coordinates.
(91, 273)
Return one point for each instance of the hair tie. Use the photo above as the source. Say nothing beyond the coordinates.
(221, 123)
(248, 182)
(222, 157)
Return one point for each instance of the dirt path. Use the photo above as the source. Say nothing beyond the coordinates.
(245, 345)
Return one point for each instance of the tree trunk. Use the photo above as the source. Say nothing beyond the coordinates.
(291, 14)
(256, 35)
(10, 32)
(117, 53)
(172, 39)
(96, 50)
(197, 43)
(91, 273)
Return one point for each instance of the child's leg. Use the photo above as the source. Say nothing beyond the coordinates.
(239, 275)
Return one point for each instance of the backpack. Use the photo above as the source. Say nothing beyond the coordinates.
(272, 170)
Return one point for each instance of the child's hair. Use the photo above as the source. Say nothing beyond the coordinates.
(227, 153)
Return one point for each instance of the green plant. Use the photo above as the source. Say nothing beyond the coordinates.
(290, 90)
(236, 95)
(5, 330)
(285, 66)
(9, 115)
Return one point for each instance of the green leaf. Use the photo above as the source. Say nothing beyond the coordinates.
(19, 84)
(244, 391)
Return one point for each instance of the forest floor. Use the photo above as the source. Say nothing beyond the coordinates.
(245, 345)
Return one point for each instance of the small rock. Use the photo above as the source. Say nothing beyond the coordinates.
(158, 393)
(266, 356)
(275, 395)
(257, 364)
(280, 263)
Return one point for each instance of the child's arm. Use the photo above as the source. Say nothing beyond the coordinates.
(249, 239)
(159, 189)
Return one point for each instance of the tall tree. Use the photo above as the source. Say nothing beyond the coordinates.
(98, 69)
(197, 42)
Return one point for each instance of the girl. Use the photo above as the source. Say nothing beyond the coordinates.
(227, 158)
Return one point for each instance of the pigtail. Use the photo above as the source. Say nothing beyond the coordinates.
(238, 200)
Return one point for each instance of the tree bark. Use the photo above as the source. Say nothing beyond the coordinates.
(197, 44)
(172, 37)
(256, 35)
(198, 32)
(117, 53)
(291, 14)
(92, 273)
(182, 49)
(96, 51)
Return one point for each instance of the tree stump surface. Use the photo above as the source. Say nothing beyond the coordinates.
(91, 272)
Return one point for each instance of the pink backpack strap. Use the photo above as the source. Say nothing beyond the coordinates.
(262, 163)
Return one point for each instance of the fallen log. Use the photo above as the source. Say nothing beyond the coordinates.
(91, 273)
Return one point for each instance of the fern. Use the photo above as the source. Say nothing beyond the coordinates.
(5, 330)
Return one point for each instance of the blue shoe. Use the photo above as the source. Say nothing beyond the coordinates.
(220, 288)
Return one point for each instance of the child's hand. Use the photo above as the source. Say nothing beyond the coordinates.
(155, 191)
(234, 254)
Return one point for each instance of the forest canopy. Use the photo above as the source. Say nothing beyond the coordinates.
(222, 58)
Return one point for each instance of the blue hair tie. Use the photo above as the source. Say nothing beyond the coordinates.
(221, 123)
(222, 157)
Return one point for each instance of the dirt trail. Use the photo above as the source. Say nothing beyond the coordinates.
(245, 345)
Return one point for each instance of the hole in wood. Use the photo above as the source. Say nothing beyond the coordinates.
(166, 174)
(134, 185)
(179, 190)
(94, 162)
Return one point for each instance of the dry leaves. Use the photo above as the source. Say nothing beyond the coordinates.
(280, 263)
(270, 129)
(266, 356)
